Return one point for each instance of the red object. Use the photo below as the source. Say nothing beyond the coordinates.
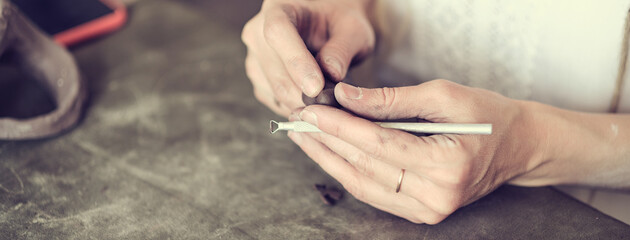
(94, 28)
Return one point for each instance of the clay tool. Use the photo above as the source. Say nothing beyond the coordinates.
(430, 128)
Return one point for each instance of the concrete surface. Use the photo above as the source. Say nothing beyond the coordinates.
(174, 146)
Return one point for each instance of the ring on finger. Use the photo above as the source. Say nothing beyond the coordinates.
(400, 178)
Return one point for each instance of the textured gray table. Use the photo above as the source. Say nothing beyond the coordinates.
(154, 157)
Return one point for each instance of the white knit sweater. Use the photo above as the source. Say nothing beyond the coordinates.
(565, 53)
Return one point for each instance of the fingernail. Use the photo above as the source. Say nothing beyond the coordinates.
(295, 137)
(335, 66)
(309, 117)
(310, 84)
(351, 92)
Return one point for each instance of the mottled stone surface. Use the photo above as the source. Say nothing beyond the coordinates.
(174, 146)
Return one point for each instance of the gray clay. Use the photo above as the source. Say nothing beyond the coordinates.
(326, 97)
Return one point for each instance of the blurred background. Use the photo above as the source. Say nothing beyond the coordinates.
(173, 145)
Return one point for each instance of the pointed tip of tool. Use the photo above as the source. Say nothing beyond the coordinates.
(273, 126)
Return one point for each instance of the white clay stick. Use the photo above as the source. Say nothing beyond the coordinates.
(431, 128)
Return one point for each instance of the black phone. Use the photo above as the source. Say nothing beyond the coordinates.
(73, 21)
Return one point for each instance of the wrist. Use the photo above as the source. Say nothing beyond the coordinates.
(530, 142)
(560, 145)
(592, 149)
(575, 148)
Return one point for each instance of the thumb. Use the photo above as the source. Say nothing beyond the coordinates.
(429, 101)
(351, 40)
(378, 103)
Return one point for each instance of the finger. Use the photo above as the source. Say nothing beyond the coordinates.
(268, 71)
(383, 173)
(284, 90)
(254, 72)
(361, 187)
(267, 99)
(381, 103)
(250, 31)
(350, 40)
(280, 32)
(430, 101)
(392, 146)
(403, 214)
(262, 90)
(413, 185)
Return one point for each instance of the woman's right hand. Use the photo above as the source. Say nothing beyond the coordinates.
(283, 37)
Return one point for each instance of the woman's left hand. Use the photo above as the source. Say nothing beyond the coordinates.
(442, 172)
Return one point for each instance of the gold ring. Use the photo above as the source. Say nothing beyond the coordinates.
(400, 178)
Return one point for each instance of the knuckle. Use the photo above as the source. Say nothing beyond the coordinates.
(339, 52)
(453, 180)
(459, 177)
(294, 61)
(250, 67)
(388, 96)
(434, 218)
(447, 205)
(380, 149)
(367, 49)
(259, 95)
(355, 189)
(377, 151)
(337, 130)
(274, 28)
(363, 164)
(246, 34)
(280, 90)
(363, 53)
(448, 92)
(452, 170)
(441, 83)
(414, 219)
(302, 63)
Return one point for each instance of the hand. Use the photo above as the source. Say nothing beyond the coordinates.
(443, 172)
(281, 37)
